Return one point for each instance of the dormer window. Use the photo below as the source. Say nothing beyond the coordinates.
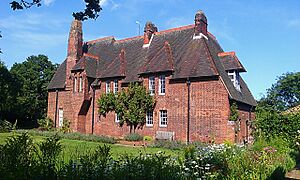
(235, 79)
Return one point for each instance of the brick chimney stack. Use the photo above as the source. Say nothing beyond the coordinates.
(75, 44)
(149, 30)
(200, 24)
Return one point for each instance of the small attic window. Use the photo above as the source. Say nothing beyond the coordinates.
(235, 79)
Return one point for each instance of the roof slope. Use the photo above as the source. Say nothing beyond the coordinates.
(59, 78)
(173, 50)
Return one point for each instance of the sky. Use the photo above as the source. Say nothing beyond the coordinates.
(264, 34)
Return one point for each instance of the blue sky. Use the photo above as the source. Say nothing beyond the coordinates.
(264, 34)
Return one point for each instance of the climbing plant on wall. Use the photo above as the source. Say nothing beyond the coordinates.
(131, 105)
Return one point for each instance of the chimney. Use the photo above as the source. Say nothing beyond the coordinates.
(74, 49)
(200, 28)
(149, 30)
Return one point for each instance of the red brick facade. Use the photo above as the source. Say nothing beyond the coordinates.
(210, 96)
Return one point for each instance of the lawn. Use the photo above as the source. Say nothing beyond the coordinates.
(72, 148)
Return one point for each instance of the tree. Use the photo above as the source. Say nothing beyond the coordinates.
(284, 94)
(7, 92)
(92, 8)
(33, 77)
(131, 105)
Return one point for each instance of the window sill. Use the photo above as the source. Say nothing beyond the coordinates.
(163, 126)
(149, 125)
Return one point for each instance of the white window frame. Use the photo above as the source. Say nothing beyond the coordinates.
(75, 85)
(116, 86)
(60, 117)
(80, 84)
(152, 85)
(163, 118)
(149, 119)
(107, 87)
(235, 80)
(162, 85)
(117, 119)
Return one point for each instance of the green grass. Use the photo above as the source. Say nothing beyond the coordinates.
(72, 148)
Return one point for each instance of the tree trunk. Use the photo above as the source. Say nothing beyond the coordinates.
(130, 129)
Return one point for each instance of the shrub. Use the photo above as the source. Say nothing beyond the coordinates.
(148, 138)
(66, 126)
(45, 124)
(175, 145)
(73, 136)
(133, 137)
(5, 126)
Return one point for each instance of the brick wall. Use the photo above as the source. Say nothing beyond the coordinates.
(209, 111)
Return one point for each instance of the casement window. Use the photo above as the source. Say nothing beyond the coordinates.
(235, 79)
(116, 86)
(162, 85)
(149, 119)
(60, 117)
(75, 85)
(107, 87)
(163, 118)
(117, 118)
(80, 84)
(152, 85)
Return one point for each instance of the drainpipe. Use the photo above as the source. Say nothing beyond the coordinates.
(56, 108)
(188, 82)
(93, 110)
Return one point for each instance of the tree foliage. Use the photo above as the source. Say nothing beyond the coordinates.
(28, 101)
(272, 123)
(91, 11)
(285, 93)
(131, 105)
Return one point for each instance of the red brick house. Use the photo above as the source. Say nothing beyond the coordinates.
(192, 79)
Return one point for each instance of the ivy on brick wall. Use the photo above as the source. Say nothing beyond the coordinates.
(234, 114)
(131, 105)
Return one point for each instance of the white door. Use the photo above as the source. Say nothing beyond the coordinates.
(60, 117)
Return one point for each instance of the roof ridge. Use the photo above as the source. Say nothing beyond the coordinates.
(175, 29)
(100, 39)
(128, 39)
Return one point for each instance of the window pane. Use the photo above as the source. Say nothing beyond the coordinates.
(163, 118)
(107, 86)
(80, 84)
(152, 85)
(162, 85)
(116, 88)
(149, 118)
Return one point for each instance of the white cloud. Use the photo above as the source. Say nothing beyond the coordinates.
(48, 2)
(112, 5)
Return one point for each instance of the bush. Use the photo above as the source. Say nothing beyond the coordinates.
(148, 138)
(175, 145)
(73, 136)
(5, 126)
(133, 137)
(66, 126)
(45, 124)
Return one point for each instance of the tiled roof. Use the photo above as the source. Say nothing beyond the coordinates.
(231, 62)
(59, 78)
(174, 50)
